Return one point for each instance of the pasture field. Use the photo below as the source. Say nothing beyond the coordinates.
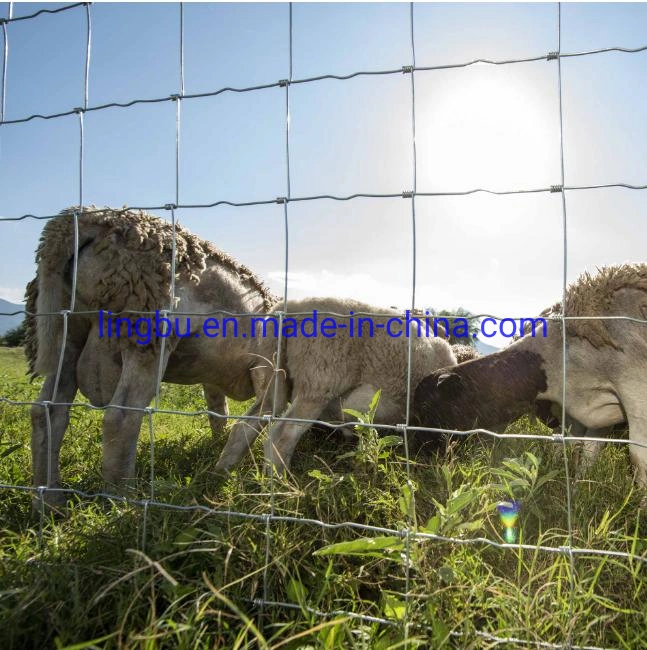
(115, 575)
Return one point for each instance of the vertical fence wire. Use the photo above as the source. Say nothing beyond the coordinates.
(162, 361)
(410, 499)
(5, 62)
(278, 363)
(569, 503)
(181, 48)
(88, 45)
(65, 313)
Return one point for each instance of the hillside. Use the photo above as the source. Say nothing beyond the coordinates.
(485, 348)
(9, 322)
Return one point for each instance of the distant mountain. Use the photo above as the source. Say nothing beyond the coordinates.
(9, 322)
(484, 348)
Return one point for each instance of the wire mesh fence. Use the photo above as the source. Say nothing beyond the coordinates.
(409, 533)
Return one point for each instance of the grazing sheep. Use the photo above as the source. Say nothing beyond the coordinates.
(327, 375)
(124, 263)
(606, 367)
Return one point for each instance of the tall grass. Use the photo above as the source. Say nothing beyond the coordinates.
(110, 575)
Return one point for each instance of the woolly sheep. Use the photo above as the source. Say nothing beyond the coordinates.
(327, 375)
(606, 368)
(124, 263)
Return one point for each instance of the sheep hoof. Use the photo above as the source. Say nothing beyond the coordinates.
(49, 502)
(222, 469)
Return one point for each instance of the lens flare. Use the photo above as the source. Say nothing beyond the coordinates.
(509, 513)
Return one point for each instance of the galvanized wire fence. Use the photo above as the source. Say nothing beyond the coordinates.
(409, 533)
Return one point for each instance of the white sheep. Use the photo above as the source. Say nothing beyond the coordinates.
(124, 263)
(327, 375)
(606, 368)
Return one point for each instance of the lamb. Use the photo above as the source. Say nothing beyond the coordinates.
(606, 366)
(326, 375)
(124, 264)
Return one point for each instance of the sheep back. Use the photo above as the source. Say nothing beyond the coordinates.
(324, 368)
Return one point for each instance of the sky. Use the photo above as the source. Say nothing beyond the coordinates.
(482, 126)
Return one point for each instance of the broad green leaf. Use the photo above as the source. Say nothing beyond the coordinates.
(447, 574)
(372, 407)
(394, 608)
(389, 441)
(320, 476)
(360, 417)
(432, 525)
(470, 525)
(460, 501)
(405, 501)
(372, 546)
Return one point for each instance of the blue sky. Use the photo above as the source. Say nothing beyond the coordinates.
(483, 126)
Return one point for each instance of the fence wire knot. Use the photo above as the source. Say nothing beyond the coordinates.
(282, 199)
(284, 82)
(552, 56)
(407, 69)
(407, 194)
(175, 97)
(556, 188)
(170, 206)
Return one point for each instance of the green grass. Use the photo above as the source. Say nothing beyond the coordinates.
(105, 575)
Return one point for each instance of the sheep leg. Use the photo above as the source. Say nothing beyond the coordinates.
(638, 455)
(135, 390)
(284, 436)
(46, 439)
(244, 432)
(216, 402)
(634, 406)
(590, 450)
(241, 437)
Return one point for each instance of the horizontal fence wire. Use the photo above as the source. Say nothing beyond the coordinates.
(407, 69)
(42, 12)
(324, 525)
(331, 197)
(395, 428)
(402, 313)
(408, 533)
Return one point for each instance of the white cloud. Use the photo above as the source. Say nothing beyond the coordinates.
(13, 294)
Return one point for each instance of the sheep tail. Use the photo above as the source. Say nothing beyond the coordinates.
(50, 292)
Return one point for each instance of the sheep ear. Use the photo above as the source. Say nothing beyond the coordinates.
(449, 384)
